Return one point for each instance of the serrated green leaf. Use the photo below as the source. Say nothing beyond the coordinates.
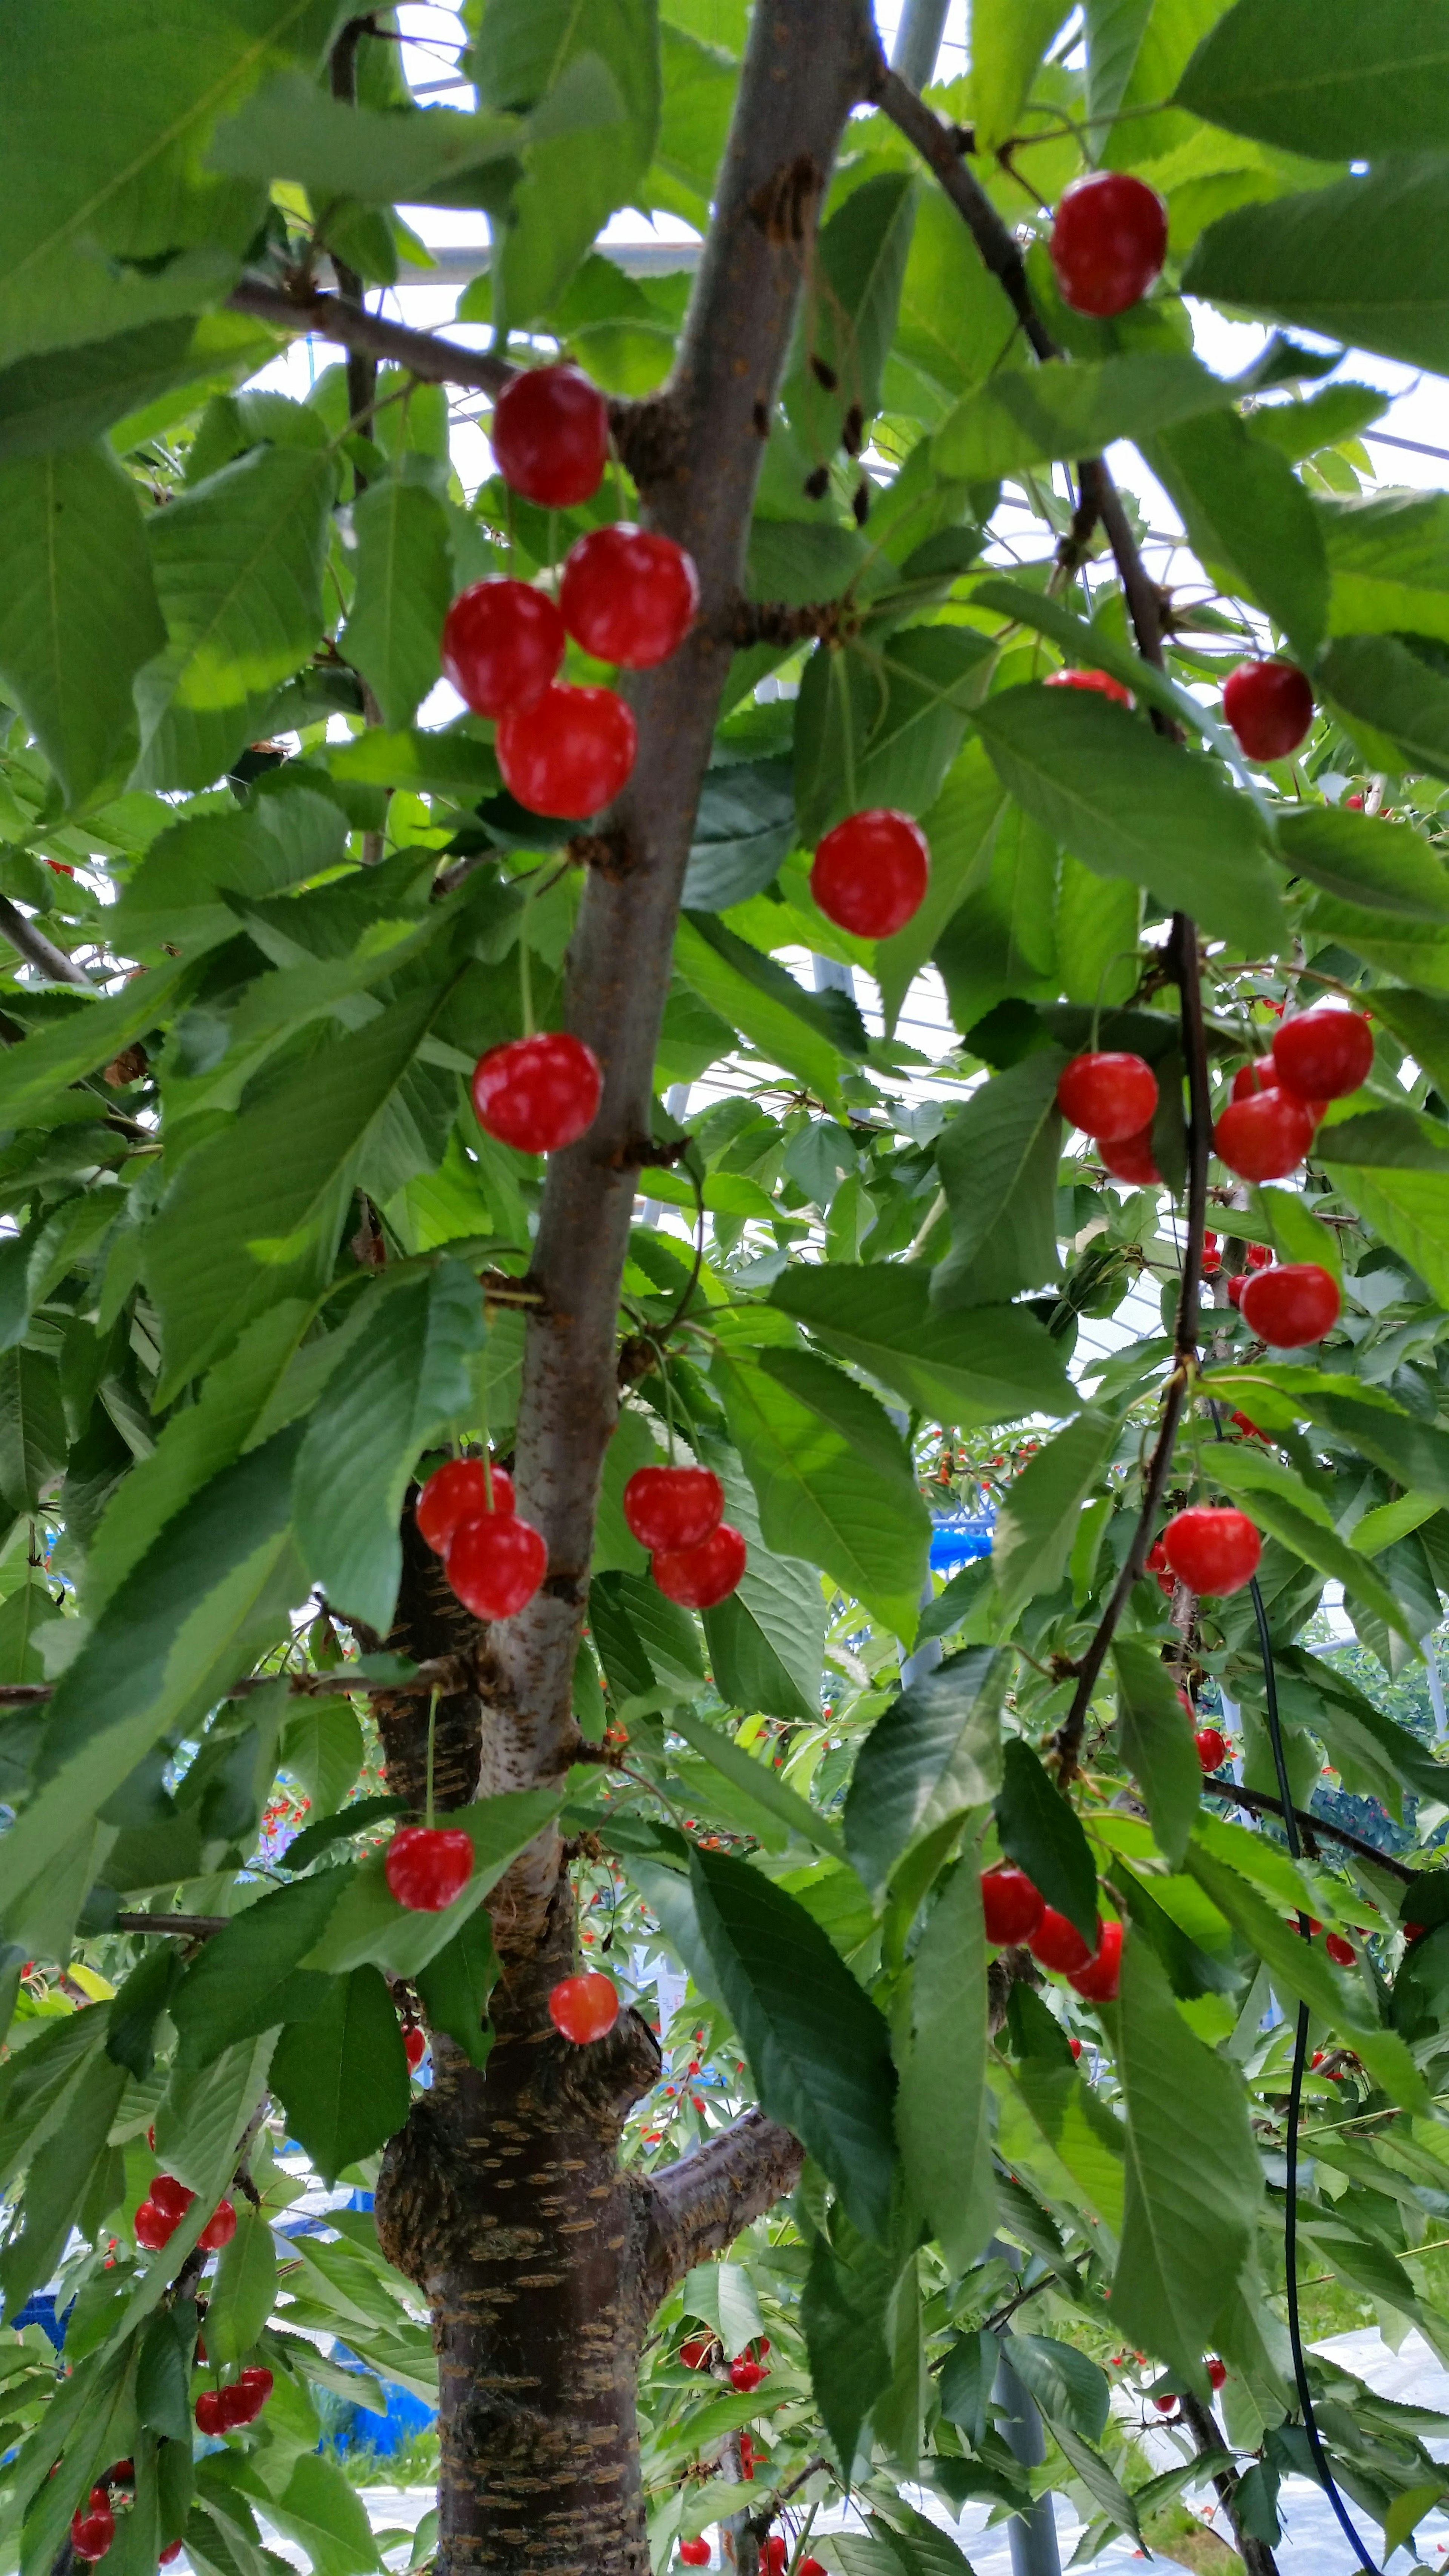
(1366, 861)
(293, 130)
(78, 613)
(342, 2075)
(1008, 40)
(1155, 1734)
(369, 1925)
(404, 583)
(934, 1754)
(1036, 1523)
(965, 1369)
(1041, 1831)
(762, 1000)
(943, 2117)
(767, 1639)
(1332, 261)
(1334, 81)
(1025, 416)
(455, 1986)
(246, 1979)
(1245, 510)
(879, 722)
(757, 1780)
(321, 2508)
(241, 2298)
(573, 182)
(997, 1157)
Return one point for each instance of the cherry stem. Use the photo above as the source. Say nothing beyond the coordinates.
(432, 1731)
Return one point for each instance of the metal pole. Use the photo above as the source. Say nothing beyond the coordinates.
(1033, 2535)
(918, 40)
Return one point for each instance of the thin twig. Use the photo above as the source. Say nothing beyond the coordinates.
(444, 1673)
(1258, 1802)
(183, 1927)
(938, 146)
(433, 360)
(30, 941)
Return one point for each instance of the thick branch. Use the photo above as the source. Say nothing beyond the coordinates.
(699, 2205)
(30, 940)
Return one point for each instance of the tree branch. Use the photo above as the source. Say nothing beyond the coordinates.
(1259, 1803)
(699, 2205)
(937, 145)
(30, 941)
(442, 1673)
(309, 308)
(1256, 2555)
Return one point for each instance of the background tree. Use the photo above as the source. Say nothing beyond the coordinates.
(275, 1254)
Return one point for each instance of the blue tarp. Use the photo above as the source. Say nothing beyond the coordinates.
(956, 1541)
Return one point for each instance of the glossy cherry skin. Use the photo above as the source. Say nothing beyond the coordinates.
(1013, 1907)
(1130, 1158)
(258, 2382)
(153, 2228)
(428, 1865)
(169, 2554)
(673, 1507)
(810, 2567)
(1265, 1137)
(694, 2553)
(1212, 1548)
(456, 1493)
(699, 1577)
(1058, 1944)
(496, 1564)
(584, 2008)
(1217, 2372)
(1341, 1952)
(502, 644)
(628, 595)
(220, 2228)
(1098, 1980)
(1212, 1748)
(1101, 681)
(1323, 1054)
(1269, 706)
(211, 2411)
(550, 436)
(93, 2526)
(870, 874)
(747, 2375)
(415, 2048)
(170, 2196)
(538, 1094)
(1112, 1096)
(238, 2407)
(1166, 2404)
(777, 2555)
(1236, 1285)
(695, 2354)
(1293, 1303)
(1108, 242)
(570, 753)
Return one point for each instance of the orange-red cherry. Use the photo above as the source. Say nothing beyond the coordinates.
(1130, 1158)
(502, 644)
(1265, 1137)
(584, 2008)
(550, 436)
(1058, 1944)
(701, 1577)
(1269, 706)
(1013, 1907)
(1212, 1747)
(1101, 681)
(1323, 1054)
(629, 595)
(456, 1493)
(1293, 1303)
(496, 1564)
(1212, 1548)
(869, 875)
(673, 1507)
(1108, 242)
(538, 1094)
(1111, 1095)
(570, 752)
(428, 1865)
(1099, 1977)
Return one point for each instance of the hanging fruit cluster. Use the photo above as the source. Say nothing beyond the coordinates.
(495, 1561)
(1112, 1097)
(697, 1558)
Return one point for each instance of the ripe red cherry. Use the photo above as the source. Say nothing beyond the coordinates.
(1058, 1944)
(1099, 1979)
(153, 2228)
(1217, 2372)
(502, 643)
(1166, 2404)
(1112, 1096)
(810, 2567)
(415, 2047)
(1341, 1952)
(1293, 1303)
(869, 874)
(1323, 1054)
(1269, 706)
(1266, 1137)
(1130, 1158)
(427, 1866)
(747, 2375)
(258, 2383)
(170, 2196)
(628, 595)
(584, 2007)
(496, 1564)
(93, 2526)
(695, 2354)
(1259, 1256)
(1257, 1076)
(570, 752)
(550, 436)
(220, 2228)
(1101, 681)
(1212, 1747)
(456, 1493)
(210, 2411)
(1212, 1548)
(1237, 1283)
(777, 2554)
(238, 2407)
(672, 1507)
(694, 2553)
(169, 2554)
(538, 1093)
(1075, 2046)
(699, 1577)
(1108, 242)
(1012, 1905)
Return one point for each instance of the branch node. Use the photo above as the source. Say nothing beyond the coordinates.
(784, 205)
(608, 853)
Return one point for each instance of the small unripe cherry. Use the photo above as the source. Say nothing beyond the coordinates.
(1100, 681)
(701, 1577)
(1269, 706)
(550, 436)
(1294, 1303)
(1012, 1906)
(428, 1865)
(1130, 1158)
(1058, 1944)
(1111, 1095)
(458, 1492)
(502, 644)
(1212, 1748)
(496, 1564)
(1212, 1548)
(629, 595)
(1099, 1977)
(584, 2008)
(570, 752)
(1323, 1054)
(1108, 242)
(870, 874)
(673, 1507)
(1265, 1137)
(538, 1094)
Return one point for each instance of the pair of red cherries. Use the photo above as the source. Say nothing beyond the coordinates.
(1015, 1910)
(496, 1561)
(1268, 704)
(774, 2557)
(163, 2209)
(226, 2410)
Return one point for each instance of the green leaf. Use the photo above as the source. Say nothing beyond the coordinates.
(1008, 40)
(1395, 702)
(294, 130)
(78, 612)
(1044, 2088)
(1038, 1518)
(760, 999)
(238, 562)
(954, 315)
(81, 1041)
(960, 828)
(342, 2075)
(943, 2116)
(245, 2288)
(997, 1157)
(406, 1378)
(321, 2508)
(246, 1979)
(861, 260)
(286, 1166)
(526, 49)
(830, 1475)
(1299, 429)
(1041, 1831)
(1090, 647)
(404, 583)
(1133, 805)
(901, 2547)
(359, 1818)
(1246, 512)
(37, 2083)
(455, 1986)
(33, 1439)
(879, 722)
(1333, 261)
(1028, 415)
(844, 2311)
(1366, 861)
(744, 825)
(163, 2373)
(757, 1780)
(1067, 2386)
(1337, 82)
(1155, 1736)
(767, 1640)
(965, 1370)
(1194, 2187)
(934, 1754)
(1290, 1511)
(56, 2185)
(183, 893)
(818, 2048)
(1388, 555)
(57, 402)
(368, 1925)
(1115, 29)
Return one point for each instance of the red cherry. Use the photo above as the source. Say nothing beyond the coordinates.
(1166, 2404)
(538, 1094)
(153, 2228)
(1157, 1562)
(415, 2046)
(237, 2408)
(1012, 1905)
(1236, 1285)
(584, 2008)
(672, 1507)
(1130, 1158)
(502, 644)
(93, 2526)
(570, 752)
(457, 1493)
(1249, 1429)
(869, 874)
(1341, 1952)
(550, 436)
(747, 2375)
(1212, 1548)
(694, 2553)
(1108, 242)
(810, 2567)
(1058, 1944)
(628, 595)
(1317, 2058)
(695, 2354)
(170, 2196)
(428, 1865)
(1212, 1262)
(699, 1577)
(1075, 2046)
(1259, 1257)
(1264, 1138)
(258, 2383)
(1101, 681)
(1098, 1980)
(1111, 1096)
(496, 1564)
(1269, 706)
(211, 2411)
(1415, 1931)
(777, 2554)
(220, 2228)
(1217, 2372)
(1258, 1076)
(170, 2554)
(1212, 1747)
(1293, 1303)
(1323, 1054)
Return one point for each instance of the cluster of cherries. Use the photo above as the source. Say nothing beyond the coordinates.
(1166, 2401)
(93, 2524)
(1016, 1911)
(165, 2206)
(226, 2410)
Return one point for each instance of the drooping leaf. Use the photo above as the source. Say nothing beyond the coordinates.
(1244, 509)
(1026, 415)
(1067, 2386)
(247, 1978)
(320, 2507)
(246, 2287)
(1157, 1746)
(767, 1638)
(744, 824)
(1041, 1831)
(861, 255)
(942, 2111)
(843, 2312)
(997, 1157)
(1388, 556)
(761, 999)
(1332, 261)
(1338, 83)
(1393, 699)
(78, 612)
(1366, 861)
(404, 583)
(573, 180)
(960, 829)
(934, 1754)
(756, 1779)
(965, 1369)
(1007, 45)
(33, 1439)
(1036, 1523)
(342, 2074)
(455, 1986)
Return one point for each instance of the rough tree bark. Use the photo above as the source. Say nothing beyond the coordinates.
(541, 2261)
